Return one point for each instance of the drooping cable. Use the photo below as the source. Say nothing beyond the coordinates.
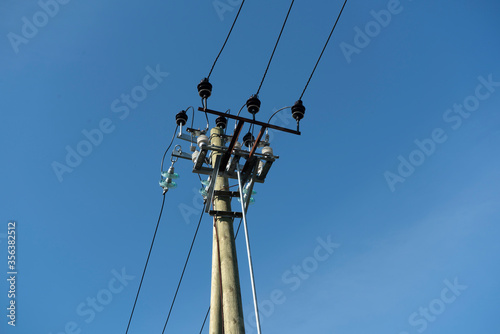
(322, 51)
(204, 104)
(243, 106)
(146, 265)
(227, 38)
(192, 118)
(168, 148)
(275, 46)
(277, 111)
(184, 269)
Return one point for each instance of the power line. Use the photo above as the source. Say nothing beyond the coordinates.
(205, 320)
(277, 111)
(275, 46)
(239, 225)
(168, 148)
(234, 22)
(147, 260)
(184, 269)
(321, 54)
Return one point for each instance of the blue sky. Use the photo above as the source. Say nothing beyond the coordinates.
(397, 167)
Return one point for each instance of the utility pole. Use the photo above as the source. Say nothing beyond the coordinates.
(225, 277)
(245, 166)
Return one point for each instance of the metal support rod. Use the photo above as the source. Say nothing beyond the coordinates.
(256, 306)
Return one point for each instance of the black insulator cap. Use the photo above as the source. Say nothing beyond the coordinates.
(248, 139)
(205, 88)
(181, 118)
(253, 104)
(298, 110)
(221, 122)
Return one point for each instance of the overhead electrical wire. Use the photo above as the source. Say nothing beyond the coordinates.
(322, 51)
(238, 229)
(275, 46)
(146, 265)
(184, 269)
(205, 320)
(262, 81)
(243, 106)
(277, 111)
(258, 91)
(203, 103)
(168, 148)
(227, 38)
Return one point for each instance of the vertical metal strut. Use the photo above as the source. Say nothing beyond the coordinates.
(256, 306)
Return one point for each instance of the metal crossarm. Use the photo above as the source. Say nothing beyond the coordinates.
(230, 214)
(248, 120)
(226, 193)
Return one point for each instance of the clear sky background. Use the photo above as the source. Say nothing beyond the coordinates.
(399, 246)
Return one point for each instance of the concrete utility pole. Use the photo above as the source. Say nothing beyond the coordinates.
(245, 166)
(229, 315)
